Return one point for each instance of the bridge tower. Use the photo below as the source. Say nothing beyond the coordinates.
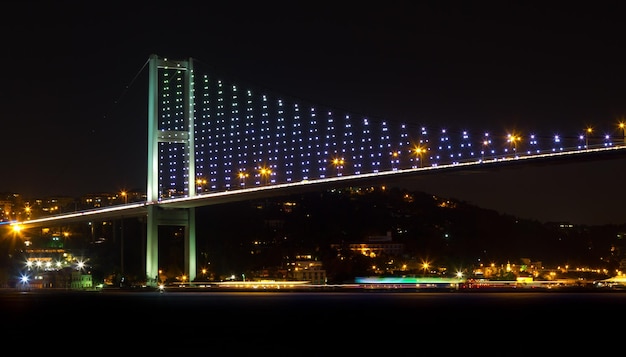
(161, 134)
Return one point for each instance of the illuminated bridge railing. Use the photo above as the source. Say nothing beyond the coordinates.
(245, 137)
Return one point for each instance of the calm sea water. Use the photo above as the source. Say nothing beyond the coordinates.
(313, 323)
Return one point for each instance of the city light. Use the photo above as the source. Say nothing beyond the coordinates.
(17, 228)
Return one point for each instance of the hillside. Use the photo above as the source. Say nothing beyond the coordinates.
(263, 234)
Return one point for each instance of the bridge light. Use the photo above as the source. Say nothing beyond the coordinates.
(200, 182)
(419, 152)
(394, 159)
(338, 163)
(588, 134)
(242, 176)
(514, 139)
(265, 174)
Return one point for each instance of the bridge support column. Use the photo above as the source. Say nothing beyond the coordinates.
(185, 217)
(152, 247)
(190, 244)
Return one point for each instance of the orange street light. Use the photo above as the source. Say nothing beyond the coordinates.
(425, 266)
(394, 159)
(242, 176)
(514, 139)
(338, 163)
(482, 152)
(17, 228)
(419, 151)
(266, 173)
(200, 182)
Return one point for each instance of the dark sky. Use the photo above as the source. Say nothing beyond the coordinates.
(74, 96)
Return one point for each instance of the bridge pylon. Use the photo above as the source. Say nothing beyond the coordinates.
(160, 133)
(183, 217)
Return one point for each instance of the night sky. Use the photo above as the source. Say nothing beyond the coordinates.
(74, 91)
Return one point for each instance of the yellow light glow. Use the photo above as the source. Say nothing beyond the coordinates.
(17, 228)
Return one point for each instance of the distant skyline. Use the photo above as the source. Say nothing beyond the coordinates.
(74, 98)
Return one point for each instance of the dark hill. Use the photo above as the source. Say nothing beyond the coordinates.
(258, 235)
